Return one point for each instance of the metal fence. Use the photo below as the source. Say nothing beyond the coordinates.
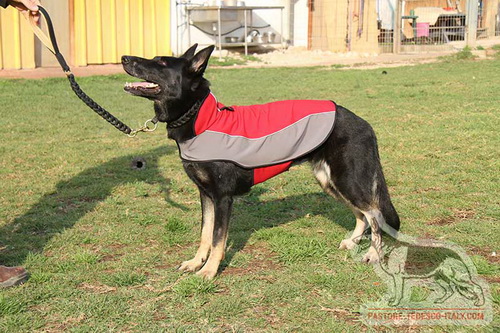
(428, 25)
(381, 26)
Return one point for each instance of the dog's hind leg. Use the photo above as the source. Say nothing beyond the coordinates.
(323, 175)
(207, 227)
(222, 210)
(360, 200)
(348, 166)
(353, 240)
(375, 220)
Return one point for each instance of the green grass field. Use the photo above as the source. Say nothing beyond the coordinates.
(102, 241)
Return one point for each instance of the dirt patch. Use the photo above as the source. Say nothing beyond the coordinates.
(40, 73)
(96, 288)
(110, 257)
(269, 314)
(491, 279)
(262, 260)
(301, 57)
(457, 216)
(344, 315)
(486, 252)
(427, 189)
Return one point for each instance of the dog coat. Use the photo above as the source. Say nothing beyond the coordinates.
(265, 138)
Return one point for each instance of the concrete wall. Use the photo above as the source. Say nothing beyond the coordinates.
(300, 21)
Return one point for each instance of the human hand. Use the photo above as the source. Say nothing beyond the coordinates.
(27, 7)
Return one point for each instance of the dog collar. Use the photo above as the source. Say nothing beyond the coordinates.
(186, 116)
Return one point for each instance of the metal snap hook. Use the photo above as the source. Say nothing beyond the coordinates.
(144, 128)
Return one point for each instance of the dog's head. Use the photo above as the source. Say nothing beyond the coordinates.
(171, 82)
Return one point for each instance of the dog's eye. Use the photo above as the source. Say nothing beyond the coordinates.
(162, 62)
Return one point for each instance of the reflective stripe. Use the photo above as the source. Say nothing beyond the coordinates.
(287, 144)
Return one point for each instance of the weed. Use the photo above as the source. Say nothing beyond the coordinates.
(10, 306)
(462, 55)
(195, 285)
(233, 60)
(124, 279)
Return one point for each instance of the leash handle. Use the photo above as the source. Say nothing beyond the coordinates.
(52, 34)
(51, 44)
(38, 32)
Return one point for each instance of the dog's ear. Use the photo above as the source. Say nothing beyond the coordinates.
(190, 52)
(199, 62)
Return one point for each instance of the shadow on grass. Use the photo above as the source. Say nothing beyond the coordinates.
(71, 200)
(75, 197)
(252, 214)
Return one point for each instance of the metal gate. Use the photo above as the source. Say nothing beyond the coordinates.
(432, 25)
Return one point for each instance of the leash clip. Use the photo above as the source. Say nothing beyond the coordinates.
(144, 128)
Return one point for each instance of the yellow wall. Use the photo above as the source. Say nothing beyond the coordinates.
(101, 32)
(107, 29)
(17, 43)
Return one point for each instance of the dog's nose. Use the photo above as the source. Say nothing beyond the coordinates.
(126, 59)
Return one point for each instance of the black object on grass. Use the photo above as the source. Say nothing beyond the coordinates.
(138, 163)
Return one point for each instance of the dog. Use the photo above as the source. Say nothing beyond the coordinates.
(344, 157)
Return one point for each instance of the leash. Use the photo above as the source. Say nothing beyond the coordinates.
(51, 44)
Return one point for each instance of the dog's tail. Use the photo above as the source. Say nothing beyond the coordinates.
(386, 207)
(390, 215)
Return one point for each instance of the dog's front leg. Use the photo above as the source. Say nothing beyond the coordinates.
(207, 229)
(223, 206)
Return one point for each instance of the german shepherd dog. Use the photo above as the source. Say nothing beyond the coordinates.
(346, 164)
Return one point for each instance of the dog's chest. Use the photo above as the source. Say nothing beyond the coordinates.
(266, 137)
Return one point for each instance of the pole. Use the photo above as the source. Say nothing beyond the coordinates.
(471, 22)
(396, 38)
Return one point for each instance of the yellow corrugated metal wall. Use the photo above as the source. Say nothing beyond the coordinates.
(17, 43)
(104, 30)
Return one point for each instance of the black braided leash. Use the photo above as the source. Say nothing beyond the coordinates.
(81, 94)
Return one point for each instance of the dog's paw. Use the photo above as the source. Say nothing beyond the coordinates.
(371, 257)
(347, 244)
(207, 274)
(191, 265)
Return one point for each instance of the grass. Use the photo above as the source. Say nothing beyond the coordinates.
(464, 54)
(102, 240)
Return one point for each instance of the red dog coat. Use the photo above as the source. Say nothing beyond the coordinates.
(265, 137)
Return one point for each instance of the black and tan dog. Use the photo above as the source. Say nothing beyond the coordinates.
(344, 157)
